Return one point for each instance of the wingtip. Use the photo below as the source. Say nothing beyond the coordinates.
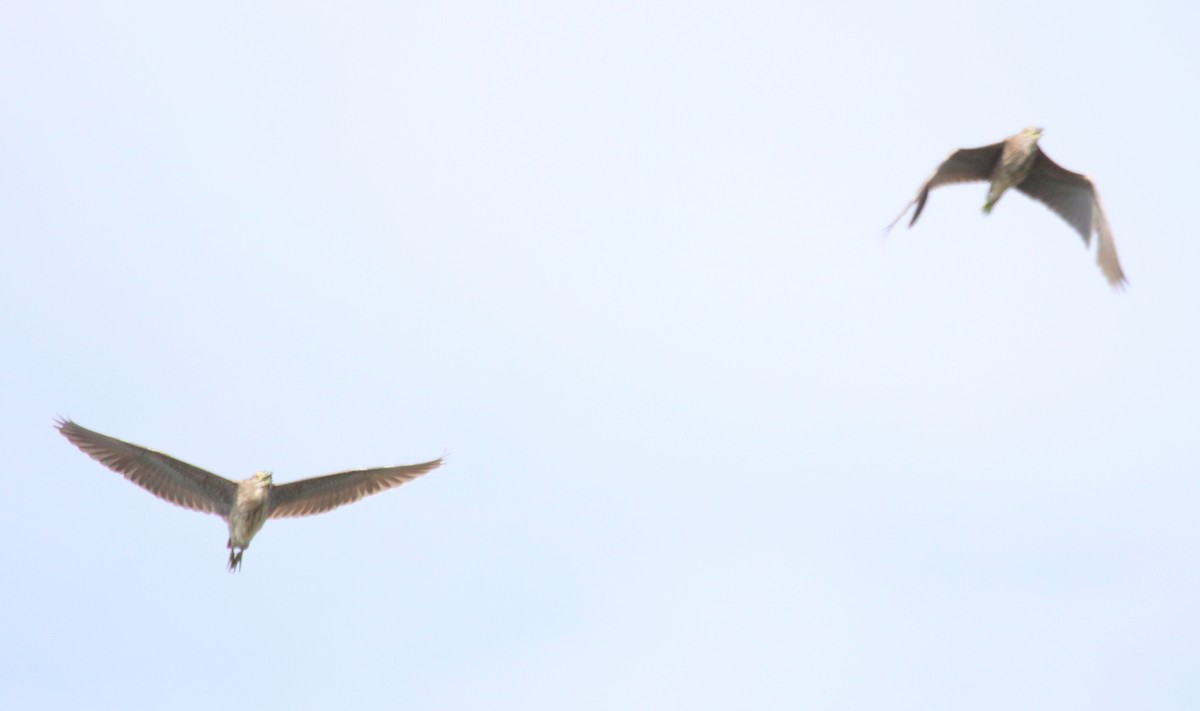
(887, 230)
(1106, 259)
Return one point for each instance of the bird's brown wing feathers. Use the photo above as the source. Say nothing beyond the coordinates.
(1073, 196)
(162, 475)
(962, 166)
(320, 494)
(1106, 250)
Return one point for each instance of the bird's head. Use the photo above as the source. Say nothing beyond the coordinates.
(263, 478)
(1032, 132)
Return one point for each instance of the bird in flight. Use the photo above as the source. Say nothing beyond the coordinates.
(245, 505)
(1018, 162)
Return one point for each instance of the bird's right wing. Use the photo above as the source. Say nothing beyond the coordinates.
(961, 166)
(162, 475)
(322, 493)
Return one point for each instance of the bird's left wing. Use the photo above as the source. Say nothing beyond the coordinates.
(1106, 250)
(1071, 195)
(323, 493)
(1074, 197)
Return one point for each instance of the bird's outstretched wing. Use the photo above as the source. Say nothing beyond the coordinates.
(162, 475)
(323, 493)
(1106, 250)
(962, 166)
(1073, 196)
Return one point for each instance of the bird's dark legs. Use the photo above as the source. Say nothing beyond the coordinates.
(235, 559)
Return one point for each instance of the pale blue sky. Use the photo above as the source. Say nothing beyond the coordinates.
(713, 443)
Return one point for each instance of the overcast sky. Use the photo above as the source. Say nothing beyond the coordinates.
(713, 443)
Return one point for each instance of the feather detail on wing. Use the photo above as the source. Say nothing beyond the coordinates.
(164, 476)
(323, 493)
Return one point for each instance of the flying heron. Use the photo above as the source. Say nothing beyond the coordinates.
(1018, 162)
(245, 504)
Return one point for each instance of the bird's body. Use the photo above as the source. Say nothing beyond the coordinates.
(1014, 166)
(1018, 162)
(249, 513)
(245, 505)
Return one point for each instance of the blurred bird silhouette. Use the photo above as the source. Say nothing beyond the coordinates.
(1018, 162)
